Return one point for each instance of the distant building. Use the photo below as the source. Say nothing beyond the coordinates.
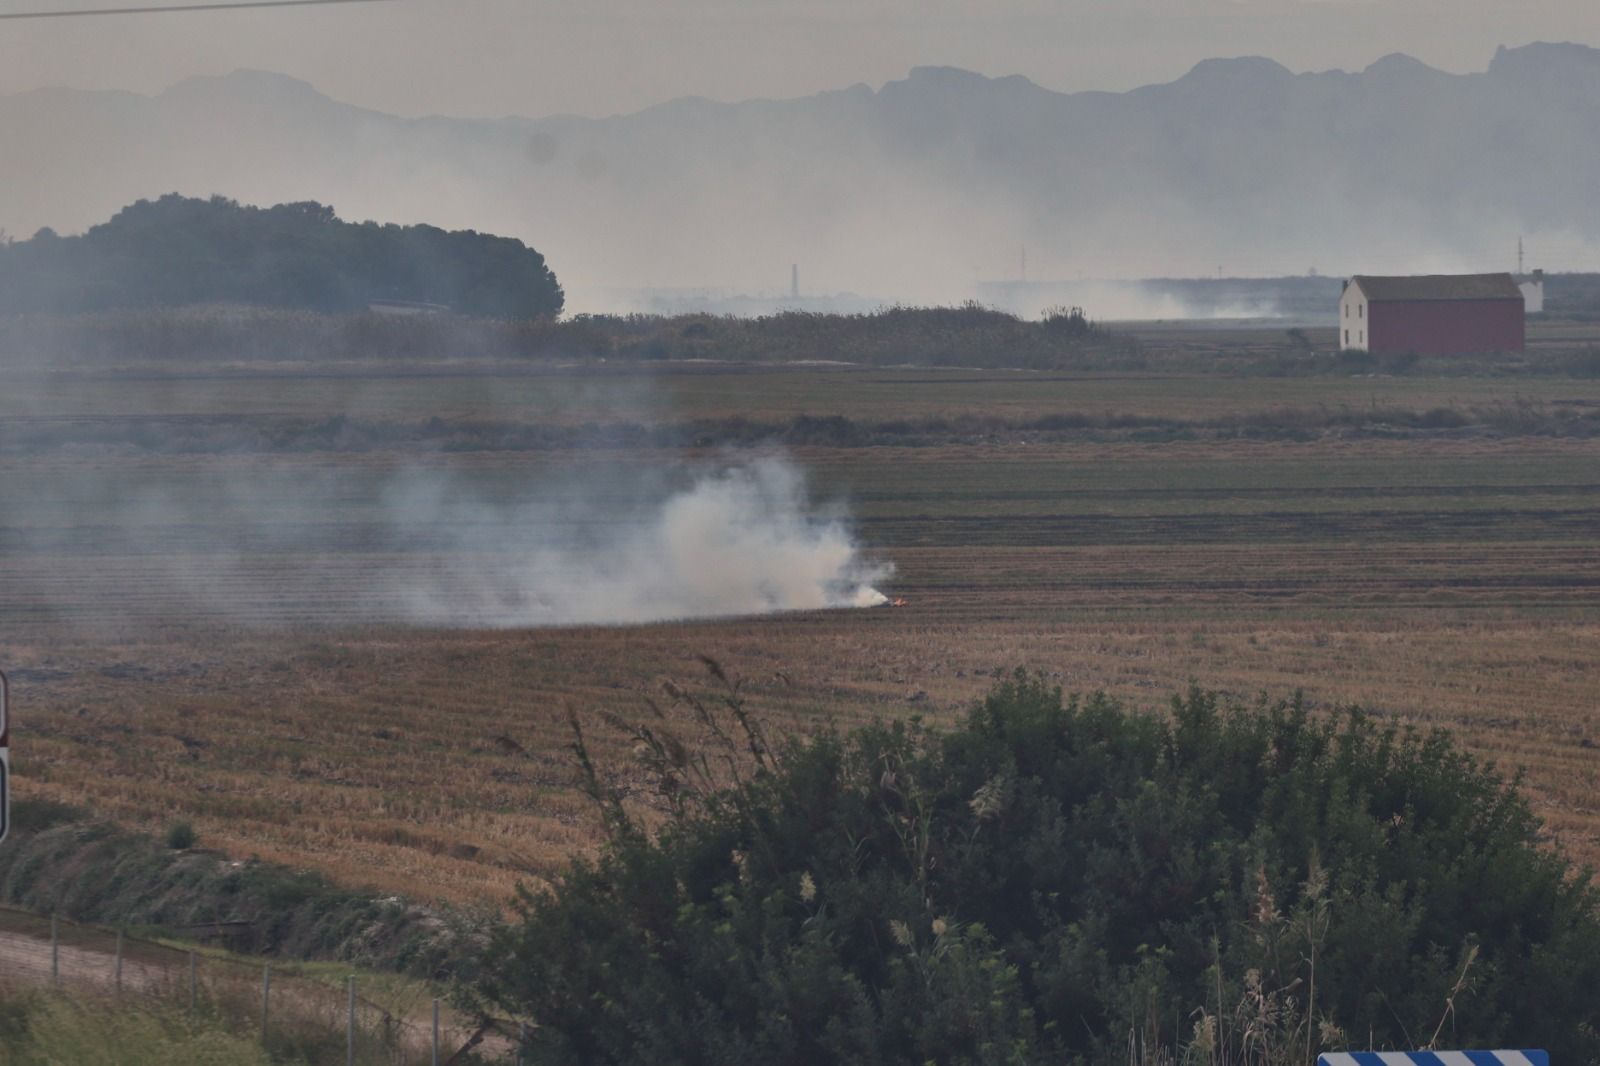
(1434, 314)
(1532, 286)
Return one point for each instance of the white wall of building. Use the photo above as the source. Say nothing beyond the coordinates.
(1353, 319)
(1532, 287)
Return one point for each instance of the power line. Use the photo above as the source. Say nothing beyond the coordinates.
(239, 5)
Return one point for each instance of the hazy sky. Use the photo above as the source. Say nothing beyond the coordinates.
(596, 57)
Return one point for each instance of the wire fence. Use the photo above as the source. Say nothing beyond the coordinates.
(297, 1014)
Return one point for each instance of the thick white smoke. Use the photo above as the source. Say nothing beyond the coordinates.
(283, 542)
(742, 540)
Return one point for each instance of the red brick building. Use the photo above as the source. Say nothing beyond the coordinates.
(1434, 314)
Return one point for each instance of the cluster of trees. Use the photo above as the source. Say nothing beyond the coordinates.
(966, 336)
(1059, 881)
(969, 334)
(177, 251)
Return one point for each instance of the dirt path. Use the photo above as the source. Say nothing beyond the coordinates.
(26, 960)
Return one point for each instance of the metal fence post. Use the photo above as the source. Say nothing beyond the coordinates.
(194, 982)
(55, 951)
(266, 995)
(119, 961)
(435, 1033)
(350, 1032)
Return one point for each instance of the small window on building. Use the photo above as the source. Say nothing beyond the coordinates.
(1362, 337)
(1347, 310)
(1347, 336)
(1361, 310)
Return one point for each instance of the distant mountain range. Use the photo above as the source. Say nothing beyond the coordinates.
(915, 191)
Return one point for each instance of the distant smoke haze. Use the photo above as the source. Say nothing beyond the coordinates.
(922, 191)
(605, 57)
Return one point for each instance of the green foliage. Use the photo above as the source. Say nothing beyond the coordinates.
(176, 251)
(43, 1030)
(56, 860)
(181, 836)
(1068, 322)
(1063, 880)
(967, 336)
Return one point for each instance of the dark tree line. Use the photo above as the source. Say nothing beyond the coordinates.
(178, 251)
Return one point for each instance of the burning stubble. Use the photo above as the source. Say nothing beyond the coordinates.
(744, 539)
(271, 542)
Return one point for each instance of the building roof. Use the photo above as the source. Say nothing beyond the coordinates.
(1438, 287)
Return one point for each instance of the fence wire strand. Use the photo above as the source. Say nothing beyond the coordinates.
(306, 1016)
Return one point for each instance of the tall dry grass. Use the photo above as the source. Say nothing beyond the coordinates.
(54, 1028)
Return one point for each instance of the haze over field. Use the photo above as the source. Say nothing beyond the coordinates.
(260, 543)
(916, 191)
(471, 58)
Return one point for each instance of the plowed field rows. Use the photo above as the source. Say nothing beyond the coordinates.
(222, 638)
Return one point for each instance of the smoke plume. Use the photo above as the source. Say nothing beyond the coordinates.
(742, 540)
(263, 541)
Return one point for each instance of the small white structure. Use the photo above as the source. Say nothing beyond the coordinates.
(1353, 318)
(1532, 286)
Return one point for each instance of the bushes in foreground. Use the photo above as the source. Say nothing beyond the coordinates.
(1061, 880)
(58, 860)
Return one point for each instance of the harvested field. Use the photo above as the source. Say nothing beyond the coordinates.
(200, 664)
(568, 395)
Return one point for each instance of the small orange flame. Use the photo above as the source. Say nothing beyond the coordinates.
(897, 602)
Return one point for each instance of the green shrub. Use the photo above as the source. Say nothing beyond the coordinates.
(1059, 881)
(181, 836)
(59, 861)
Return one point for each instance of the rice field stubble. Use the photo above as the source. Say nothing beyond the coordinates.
(1440, 579)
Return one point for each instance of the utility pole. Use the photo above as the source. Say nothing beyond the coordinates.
(1519, 257)
(794, 281)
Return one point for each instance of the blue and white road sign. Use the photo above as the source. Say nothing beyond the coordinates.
(1435, 1058)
